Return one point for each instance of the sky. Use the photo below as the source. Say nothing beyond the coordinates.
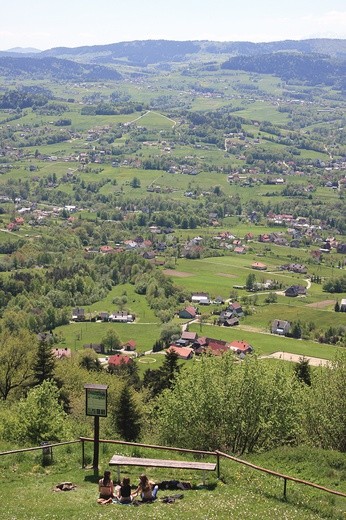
(44, 24)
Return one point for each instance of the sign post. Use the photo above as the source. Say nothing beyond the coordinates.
(96, 406)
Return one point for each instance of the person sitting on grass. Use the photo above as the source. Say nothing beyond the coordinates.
(124, 492)
(106, 489)
(146, 489)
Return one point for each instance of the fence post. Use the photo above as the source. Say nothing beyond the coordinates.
(83, 455)
(218, 465)
(285, 488)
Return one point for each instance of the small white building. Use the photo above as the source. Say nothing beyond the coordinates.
(202, 299)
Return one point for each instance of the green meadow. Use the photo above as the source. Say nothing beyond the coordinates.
(241, 494)
(265, 344)
(75, 335)
(218, 275)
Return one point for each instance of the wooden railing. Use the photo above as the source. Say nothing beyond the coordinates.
(280, 475)
(51, 446)
(218, 454)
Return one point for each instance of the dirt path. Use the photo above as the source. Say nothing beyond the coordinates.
(320, 305)
(148, 112)
(295, 358)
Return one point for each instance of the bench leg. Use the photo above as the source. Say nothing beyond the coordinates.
(118, 474)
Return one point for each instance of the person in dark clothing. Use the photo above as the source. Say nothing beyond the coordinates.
(124, 491)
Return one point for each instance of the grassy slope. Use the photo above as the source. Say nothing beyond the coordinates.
(242, 493)
(266, 343)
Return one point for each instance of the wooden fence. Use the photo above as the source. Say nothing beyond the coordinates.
(218, 454)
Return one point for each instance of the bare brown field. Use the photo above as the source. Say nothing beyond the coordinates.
(226, 275)
(321, 305)
(177, 274)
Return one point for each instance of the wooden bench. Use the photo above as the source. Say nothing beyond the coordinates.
(119, 460)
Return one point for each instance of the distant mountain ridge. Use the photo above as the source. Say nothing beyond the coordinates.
(313, 61)
(54, 68)
(24, 50)
(154, 51)
(311, 68)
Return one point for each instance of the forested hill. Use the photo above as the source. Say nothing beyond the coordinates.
(312, 68)
(136, 52)
(315, 61)
(158, 51)
(54, 68)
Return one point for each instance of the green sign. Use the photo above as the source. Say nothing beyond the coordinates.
(96, 402)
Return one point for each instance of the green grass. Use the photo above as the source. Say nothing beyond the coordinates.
(218, 275)
(145, 330)
(76, 335)
(266, 343)
(321, 317)
(242, 494)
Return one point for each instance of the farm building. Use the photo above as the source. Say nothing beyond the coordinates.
(61, 353)
(259, 266)
(201, 298)
(241, 347)
(188, 313)
(118, 360)
(78, 314)
(181, 352)
(280, 327)
(295, 290)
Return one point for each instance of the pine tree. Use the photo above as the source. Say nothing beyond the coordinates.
(296, 330)
(169, 369)
(302, 371)
(127, 417)
(159, 380)
(250, 282)
(44, 364)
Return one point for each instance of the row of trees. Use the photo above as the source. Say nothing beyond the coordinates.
(253, 406)
(249, 407)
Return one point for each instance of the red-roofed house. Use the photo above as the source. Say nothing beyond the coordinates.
(61, 353)
(259, 266)
(106, 249)
(237, 308)
(239, 249)
(217, 349)
(241, 347)
(118, 360)
(181, 352)
(130, 345)
(189, 336)
(188, 313)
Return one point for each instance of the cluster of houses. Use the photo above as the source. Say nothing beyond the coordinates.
(294, 268)
(98, 348)
(228, 317)
(189, 345)
(15, 224)
(78, 314)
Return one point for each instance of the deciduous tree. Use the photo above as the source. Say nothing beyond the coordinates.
(16, 361)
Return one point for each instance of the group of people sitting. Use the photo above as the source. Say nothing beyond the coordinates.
(123, 494)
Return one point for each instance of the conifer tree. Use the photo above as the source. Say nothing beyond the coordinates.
(302, 371)
(127, 416)
(44, 363)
